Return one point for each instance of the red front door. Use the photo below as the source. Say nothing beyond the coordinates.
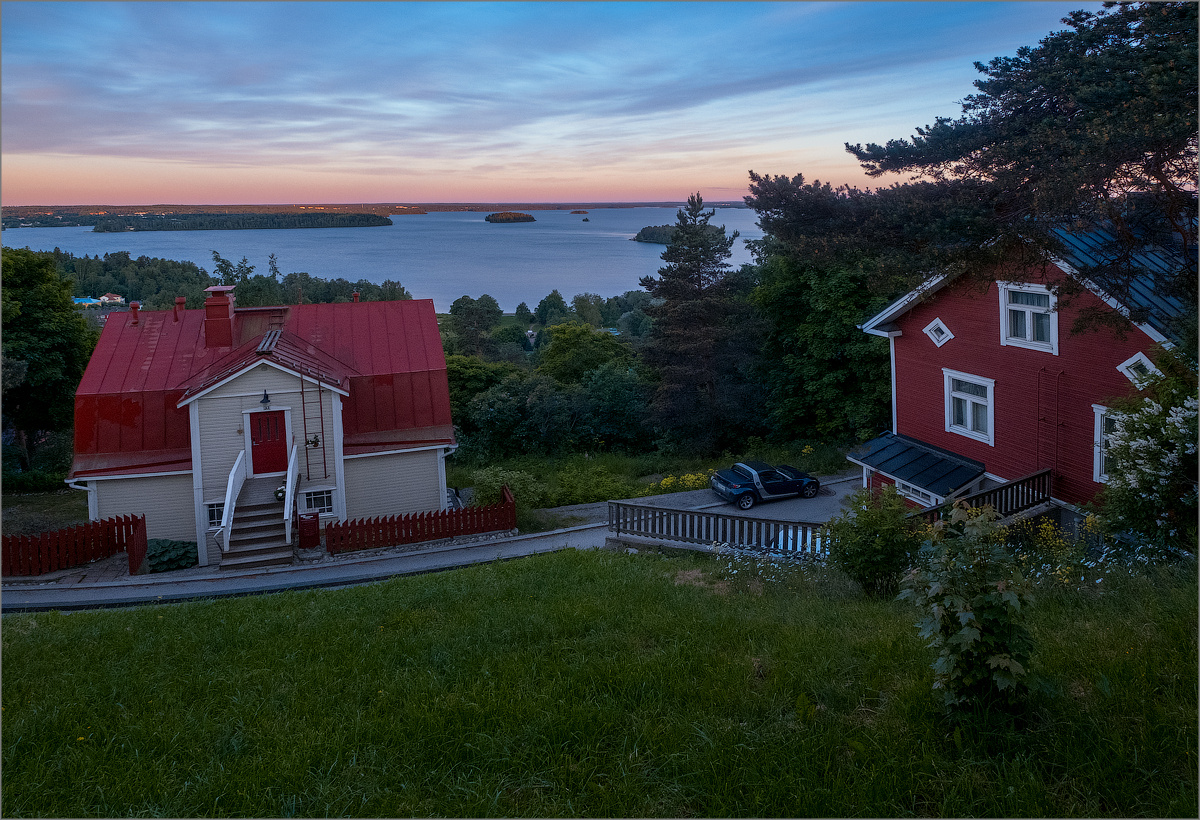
(268, 445)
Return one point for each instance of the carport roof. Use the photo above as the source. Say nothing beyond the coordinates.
(919, 464)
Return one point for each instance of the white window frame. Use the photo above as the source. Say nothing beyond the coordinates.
(1006, 340)
(214, 508)
(307, 493)
(934, 328)
(914, 492)
(1127, 370)
(948, 377)
(1099, 444)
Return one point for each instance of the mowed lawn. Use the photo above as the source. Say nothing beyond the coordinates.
(592, 684)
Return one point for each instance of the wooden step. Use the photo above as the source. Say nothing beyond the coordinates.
(256, 559)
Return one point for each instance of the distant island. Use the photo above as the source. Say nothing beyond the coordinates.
(662, 234)
(236, 222)
(509, 216)
(579, 212)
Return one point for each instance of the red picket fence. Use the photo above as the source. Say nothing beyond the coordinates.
(394, 530)
(75, 546)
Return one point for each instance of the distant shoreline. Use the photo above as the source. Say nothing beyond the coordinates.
(18, 212)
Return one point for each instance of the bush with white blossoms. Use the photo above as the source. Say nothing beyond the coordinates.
(1152, 487)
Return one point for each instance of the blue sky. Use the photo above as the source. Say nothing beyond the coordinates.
(232, 102)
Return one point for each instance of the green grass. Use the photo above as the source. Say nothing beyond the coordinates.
(590, 684)
(41, 512)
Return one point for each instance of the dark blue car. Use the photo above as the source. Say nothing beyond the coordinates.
(749, 482)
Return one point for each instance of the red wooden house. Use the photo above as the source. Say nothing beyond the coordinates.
(990, 386)
(196, 418)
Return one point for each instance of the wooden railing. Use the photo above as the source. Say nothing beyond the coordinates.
(1007, 499)
(289, 498)
(237, 477)
(75, 546)
(710, 528)
(415, 528)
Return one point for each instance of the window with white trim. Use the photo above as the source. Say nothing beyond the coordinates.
(938, 332)
(1027, 317)
(915, 493)
(215, 511)
(969, 405)
(318, 501)
(1138, 368)
(1104, 429)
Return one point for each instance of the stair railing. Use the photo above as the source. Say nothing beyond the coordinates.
(237, 477)
(289, 497)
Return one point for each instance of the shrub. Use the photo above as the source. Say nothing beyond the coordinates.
(163, 555)
(874, 541)
(527, 491)
(588, 485)
(974, 599)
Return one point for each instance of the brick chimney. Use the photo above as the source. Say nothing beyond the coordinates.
(218, 316)
(180, 304)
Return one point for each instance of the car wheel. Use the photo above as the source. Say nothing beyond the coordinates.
(810, 490)
(746, 501)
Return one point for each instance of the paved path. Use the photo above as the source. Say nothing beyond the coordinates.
(108, 584)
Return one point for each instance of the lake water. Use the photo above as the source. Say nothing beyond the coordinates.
(439, 255)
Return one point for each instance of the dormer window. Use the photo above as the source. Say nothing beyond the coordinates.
(1027, 317)
(938, 332)
(1138, 369)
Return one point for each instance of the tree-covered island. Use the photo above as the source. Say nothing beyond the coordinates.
(662, 234)
(509, 216)
(235, 222)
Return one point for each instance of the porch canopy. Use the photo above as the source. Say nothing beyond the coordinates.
(939, 472)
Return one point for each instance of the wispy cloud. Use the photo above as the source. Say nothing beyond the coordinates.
(496, 89)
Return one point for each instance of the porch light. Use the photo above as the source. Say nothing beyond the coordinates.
(265, 401)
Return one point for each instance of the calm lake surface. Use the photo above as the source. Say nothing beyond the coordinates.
(439, 255)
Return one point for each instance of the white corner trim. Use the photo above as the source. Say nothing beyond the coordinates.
(930, 285)
(253, 365)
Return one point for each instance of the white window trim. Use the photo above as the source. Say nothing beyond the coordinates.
(1097, 445)
(938, 324)
(948, 376)
(307, 491)
(1008, 341)
(207, 506)
(922, 497)
(1125, 368)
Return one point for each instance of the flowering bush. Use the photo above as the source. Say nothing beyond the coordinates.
(973, 597)
(1152, 488)
(683, 483)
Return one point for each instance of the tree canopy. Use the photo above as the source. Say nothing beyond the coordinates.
(1094, 129)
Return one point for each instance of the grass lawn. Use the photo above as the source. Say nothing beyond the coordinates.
(591, 684)
(42, 512)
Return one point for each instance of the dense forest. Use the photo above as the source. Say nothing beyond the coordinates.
(661, 234)
(236, 222)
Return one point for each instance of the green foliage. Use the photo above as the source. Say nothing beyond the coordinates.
(1095, 126)
(704, 340)
(521, 415)
(612, 409)
(46, 335)
(524, 315)
(163, 555)
(471, 320)
(509, 216)
(1151, 494)
(588, 308)
(576, 349)
(528, 492)
(552, 309)
(874, 541)
(468, 377)
(974, 602)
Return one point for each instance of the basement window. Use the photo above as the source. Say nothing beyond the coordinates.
(319, 501)
(915, 493)
(215, 511)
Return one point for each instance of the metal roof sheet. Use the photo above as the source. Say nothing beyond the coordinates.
(914, 462)
(387, 354)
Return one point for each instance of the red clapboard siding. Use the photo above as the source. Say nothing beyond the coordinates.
(1043, 403)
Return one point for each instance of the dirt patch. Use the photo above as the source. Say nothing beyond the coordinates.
(696, 578)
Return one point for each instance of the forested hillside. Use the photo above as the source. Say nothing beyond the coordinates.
(236, 222)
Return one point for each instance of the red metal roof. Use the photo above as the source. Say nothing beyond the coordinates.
(387, 354)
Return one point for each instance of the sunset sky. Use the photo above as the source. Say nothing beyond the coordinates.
(231, 102)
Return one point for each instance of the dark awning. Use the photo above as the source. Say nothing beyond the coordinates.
(914, 462)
